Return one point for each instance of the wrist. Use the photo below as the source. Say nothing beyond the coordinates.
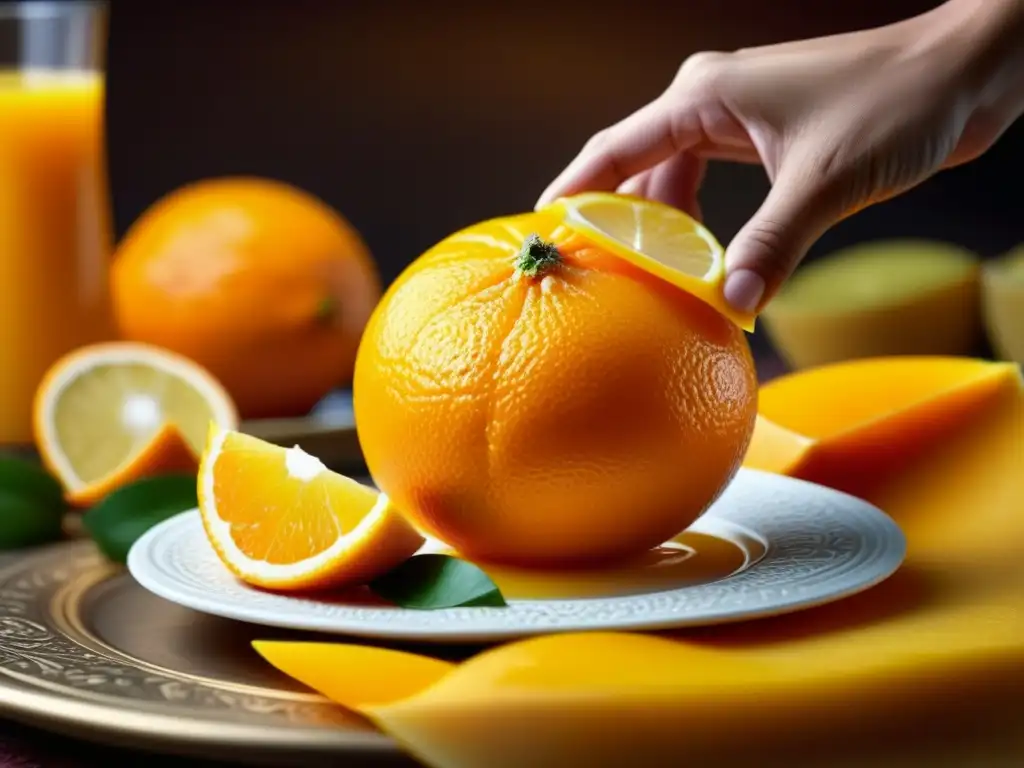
(983, 40)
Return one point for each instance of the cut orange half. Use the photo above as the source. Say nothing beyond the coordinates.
(108, 414)
(279, 519)
(657, 238)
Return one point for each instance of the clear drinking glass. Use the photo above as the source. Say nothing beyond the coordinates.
(55, 221)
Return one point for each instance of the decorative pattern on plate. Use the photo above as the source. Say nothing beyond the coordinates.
(55, 671)
(821, 545)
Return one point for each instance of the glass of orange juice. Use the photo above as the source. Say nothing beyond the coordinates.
(55, 220)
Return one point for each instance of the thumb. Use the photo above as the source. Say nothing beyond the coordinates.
(800, 207)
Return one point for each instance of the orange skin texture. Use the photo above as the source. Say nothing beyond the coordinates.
(261, 283)
(585, 414)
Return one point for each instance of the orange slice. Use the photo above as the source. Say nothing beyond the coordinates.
(108, 414)
(657, 238)
(279, 519)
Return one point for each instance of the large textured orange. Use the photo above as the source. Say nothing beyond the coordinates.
(261, 283)
(587, 411)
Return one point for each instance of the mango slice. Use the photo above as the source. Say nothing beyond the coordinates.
(355, 676)
(903, 297)
(925, 669)
(853, 425)
(1003, 305)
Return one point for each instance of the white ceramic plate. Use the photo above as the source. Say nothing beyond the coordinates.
(806, 545)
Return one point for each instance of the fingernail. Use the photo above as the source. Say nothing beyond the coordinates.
(546, 198)
(744, 289)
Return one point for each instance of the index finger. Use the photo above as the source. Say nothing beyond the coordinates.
(639, 142)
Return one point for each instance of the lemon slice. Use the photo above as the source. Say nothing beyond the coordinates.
(109, 413)
(279, 519)
(657, 238)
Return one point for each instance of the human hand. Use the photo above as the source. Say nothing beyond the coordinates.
(839, 123)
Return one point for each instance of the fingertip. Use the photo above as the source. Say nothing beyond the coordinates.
(744, 289)
(545, 199)
(636, 186)
(560, 187)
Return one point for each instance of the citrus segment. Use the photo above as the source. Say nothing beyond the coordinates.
(657, 238)
(105, 412)
(354, 676)
(166, 452)
(278, 518)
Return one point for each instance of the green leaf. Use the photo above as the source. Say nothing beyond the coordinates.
(31, 505)
(123, 516)
(430, 582)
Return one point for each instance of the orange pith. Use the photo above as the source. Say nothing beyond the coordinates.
(279, 519)
(587, 412)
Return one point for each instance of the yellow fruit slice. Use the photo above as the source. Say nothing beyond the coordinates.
(279, 519)
(655, 237)
(355, 676)
(109, 413)
(903, 297)
(856, 424)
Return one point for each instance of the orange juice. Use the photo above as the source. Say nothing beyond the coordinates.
(55, 231)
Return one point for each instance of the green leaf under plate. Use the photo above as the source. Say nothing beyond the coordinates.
(31, 505)
(127, 513)
(430, 582)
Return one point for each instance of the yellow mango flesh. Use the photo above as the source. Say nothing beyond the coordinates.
(925, 669)
(359, 677)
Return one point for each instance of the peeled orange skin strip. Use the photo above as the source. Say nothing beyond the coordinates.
(708, 287)
(166, 452)
(80, 362)
(924, 669)
(284, 531)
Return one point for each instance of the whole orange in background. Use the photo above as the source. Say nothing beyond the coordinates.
(261, 283)
(540, 401)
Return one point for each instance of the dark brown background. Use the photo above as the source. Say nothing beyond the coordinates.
(417, 118)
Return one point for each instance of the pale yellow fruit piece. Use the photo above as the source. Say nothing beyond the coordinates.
(878, 298)
(1003, 303)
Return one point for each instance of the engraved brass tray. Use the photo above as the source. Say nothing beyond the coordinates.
(84, 650)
